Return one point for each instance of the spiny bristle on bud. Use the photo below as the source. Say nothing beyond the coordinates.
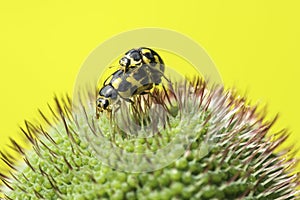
(182, 141)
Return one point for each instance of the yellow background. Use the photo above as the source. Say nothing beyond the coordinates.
(254, 44)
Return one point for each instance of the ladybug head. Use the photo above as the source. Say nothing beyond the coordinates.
(131, 59)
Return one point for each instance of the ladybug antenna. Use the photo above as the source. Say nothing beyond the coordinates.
(112, 66)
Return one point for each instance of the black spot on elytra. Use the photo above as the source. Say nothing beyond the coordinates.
(149, 56)
(140, 73)
(124, 85)
(145, 81)
(116, 75)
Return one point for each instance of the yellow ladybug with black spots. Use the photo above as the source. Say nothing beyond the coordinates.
(144, 56)
(140, 69)
(122, 85)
